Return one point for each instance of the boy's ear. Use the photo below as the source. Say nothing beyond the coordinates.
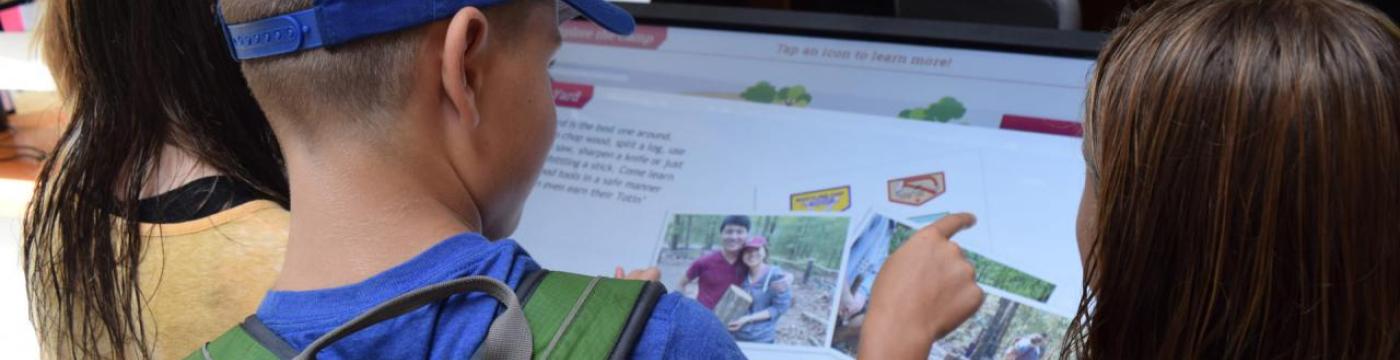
(462, 61)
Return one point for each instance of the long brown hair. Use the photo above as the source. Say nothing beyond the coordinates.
(136, 75)
(1247, 158)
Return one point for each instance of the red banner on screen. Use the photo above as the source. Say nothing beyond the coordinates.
(646, 37)
(1042, 125)
(571, 95)
(12, 20)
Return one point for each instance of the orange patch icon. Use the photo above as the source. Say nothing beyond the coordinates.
(917, 190)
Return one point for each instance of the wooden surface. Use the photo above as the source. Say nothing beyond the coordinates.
(38, 123)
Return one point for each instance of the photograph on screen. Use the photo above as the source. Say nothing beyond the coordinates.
(771, 279)
(1003, 328)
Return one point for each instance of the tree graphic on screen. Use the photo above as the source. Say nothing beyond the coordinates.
(765, 93)
(794, 96)
(945, 110)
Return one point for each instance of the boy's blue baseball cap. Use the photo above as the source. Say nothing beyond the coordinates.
(335, 22)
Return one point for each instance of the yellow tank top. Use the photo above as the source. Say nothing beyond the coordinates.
(202, 277)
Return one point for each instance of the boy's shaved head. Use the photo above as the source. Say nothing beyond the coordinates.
(357, 86)
(458, 109)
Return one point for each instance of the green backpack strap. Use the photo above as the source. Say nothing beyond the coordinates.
(570, 316)
(576, 316)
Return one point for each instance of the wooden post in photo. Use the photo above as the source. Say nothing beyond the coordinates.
(808, 273)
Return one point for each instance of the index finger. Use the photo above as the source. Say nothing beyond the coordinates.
(950, 225)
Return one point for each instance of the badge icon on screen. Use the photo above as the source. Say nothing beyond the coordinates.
(917, 190)
(833, 200)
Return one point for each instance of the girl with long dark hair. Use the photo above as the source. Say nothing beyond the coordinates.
(160, 220)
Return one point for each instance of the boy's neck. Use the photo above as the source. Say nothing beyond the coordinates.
(358, 213)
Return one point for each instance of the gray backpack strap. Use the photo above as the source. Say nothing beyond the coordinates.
(527, 285)
(508, 339)
(267, 338)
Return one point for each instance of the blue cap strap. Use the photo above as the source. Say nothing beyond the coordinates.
(277, 35)
(335, 22)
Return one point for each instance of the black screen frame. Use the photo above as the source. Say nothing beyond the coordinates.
(1023, 40)
(6, 4)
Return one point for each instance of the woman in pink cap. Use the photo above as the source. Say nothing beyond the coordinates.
(772, 295)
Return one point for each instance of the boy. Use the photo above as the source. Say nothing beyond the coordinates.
(719, 270)
(405, 123)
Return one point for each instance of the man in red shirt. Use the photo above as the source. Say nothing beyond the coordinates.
(720, 269)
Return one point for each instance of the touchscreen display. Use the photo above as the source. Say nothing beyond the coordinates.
(832, 152)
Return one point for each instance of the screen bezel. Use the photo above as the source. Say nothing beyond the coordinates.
(6, 4)
(1024, 40)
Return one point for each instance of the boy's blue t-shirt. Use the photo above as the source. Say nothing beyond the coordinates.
(679, 328)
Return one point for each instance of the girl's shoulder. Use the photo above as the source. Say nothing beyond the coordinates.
(775, 274)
